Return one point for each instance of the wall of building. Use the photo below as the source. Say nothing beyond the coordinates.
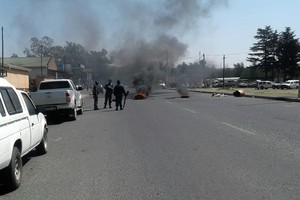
(20, 79)
(52, 65)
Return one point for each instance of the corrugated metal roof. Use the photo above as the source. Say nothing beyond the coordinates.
(27, 61)
(9, 66)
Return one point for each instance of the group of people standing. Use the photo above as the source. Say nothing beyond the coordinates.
(118, 91)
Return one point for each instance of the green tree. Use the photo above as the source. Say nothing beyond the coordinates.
(264, 51)
(238, 69)
(15, 56)
(39, 47)
(288, 54)
(58, 53)
(75, 53)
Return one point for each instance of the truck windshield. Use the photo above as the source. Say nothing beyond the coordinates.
(54, 85)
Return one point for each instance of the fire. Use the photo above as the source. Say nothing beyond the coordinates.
(141, 92)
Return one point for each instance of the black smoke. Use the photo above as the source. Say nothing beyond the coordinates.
(146, 38)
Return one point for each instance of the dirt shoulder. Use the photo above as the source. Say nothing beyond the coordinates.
(278, 94)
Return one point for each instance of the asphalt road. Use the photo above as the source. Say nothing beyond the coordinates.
(167, 147)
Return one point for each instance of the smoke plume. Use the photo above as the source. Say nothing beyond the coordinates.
(144, 37)
(152, 45)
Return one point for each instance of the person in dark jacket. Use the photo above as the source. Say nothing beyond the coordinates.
(119, 91)
(96, 91)
(108, 93)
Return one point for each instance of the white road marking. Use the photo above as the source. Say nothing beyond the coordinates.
(189, 110)
(240, 129)
(57, 139)
(186, 109)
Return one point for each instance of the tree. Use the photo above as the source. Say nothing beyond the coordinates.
(75, 53)
(39, 46)
(288, 54)
(264, 51)
(58, 52)
(238, 69)
(15, 56)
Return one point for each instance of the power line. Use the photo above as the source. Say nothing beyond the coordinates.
(227, 54)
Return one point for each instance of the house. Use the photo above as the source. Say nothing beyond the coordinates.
(41, 68)
(17, 76)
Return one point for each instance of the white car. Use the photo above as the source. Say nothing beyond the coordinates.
(22, 129)
(290, 84)
(264, 85)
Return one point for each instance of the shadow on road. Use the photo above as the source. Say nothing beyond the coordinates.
(25, 159)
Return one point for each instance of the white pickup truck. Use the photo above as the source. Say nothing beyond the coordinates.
(22, 128)
(58, 96)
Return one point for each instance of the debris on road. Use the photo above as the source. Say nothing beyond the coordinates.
(239, 93)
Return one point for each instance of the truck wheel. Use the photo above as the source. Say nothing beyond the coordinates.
(42, 148)
(80, 111)
(73, 114)
(13, 174)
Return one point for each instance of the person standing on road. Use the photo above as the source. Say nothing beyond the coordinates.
(119, 91)
(96, 91)
(108, 93)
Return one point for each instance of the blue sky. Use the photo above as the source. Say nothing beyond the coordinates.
(217, 28)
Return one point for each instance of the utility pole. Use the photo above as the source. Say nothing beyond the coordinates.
(2, 59)
(299, 90)
(223, 71)
(41, 60)
(199, 57)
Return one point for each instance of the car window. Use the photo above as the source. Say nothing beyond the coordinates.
(2, 111)
(29, 104)
(11, 101)
(54, 85)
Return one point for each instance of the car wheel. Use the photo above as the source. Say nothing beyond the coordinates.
(42, 148)
(13, 174)
(261, 87)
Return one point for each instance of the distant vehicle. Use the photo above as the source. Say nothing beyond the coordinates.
(161, 85)
(242, 84)
(22, 128)
(264, 85)
(275, 85)
(58, 96)
(290, 84)
(252, 84)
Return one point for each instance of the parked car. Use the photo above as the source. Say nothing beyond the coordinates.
(22, 129)
(252, 84)
(242, 84)
(290, 84)
(275, 85)
(58, 96)
(267, 85)
(264, 85)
